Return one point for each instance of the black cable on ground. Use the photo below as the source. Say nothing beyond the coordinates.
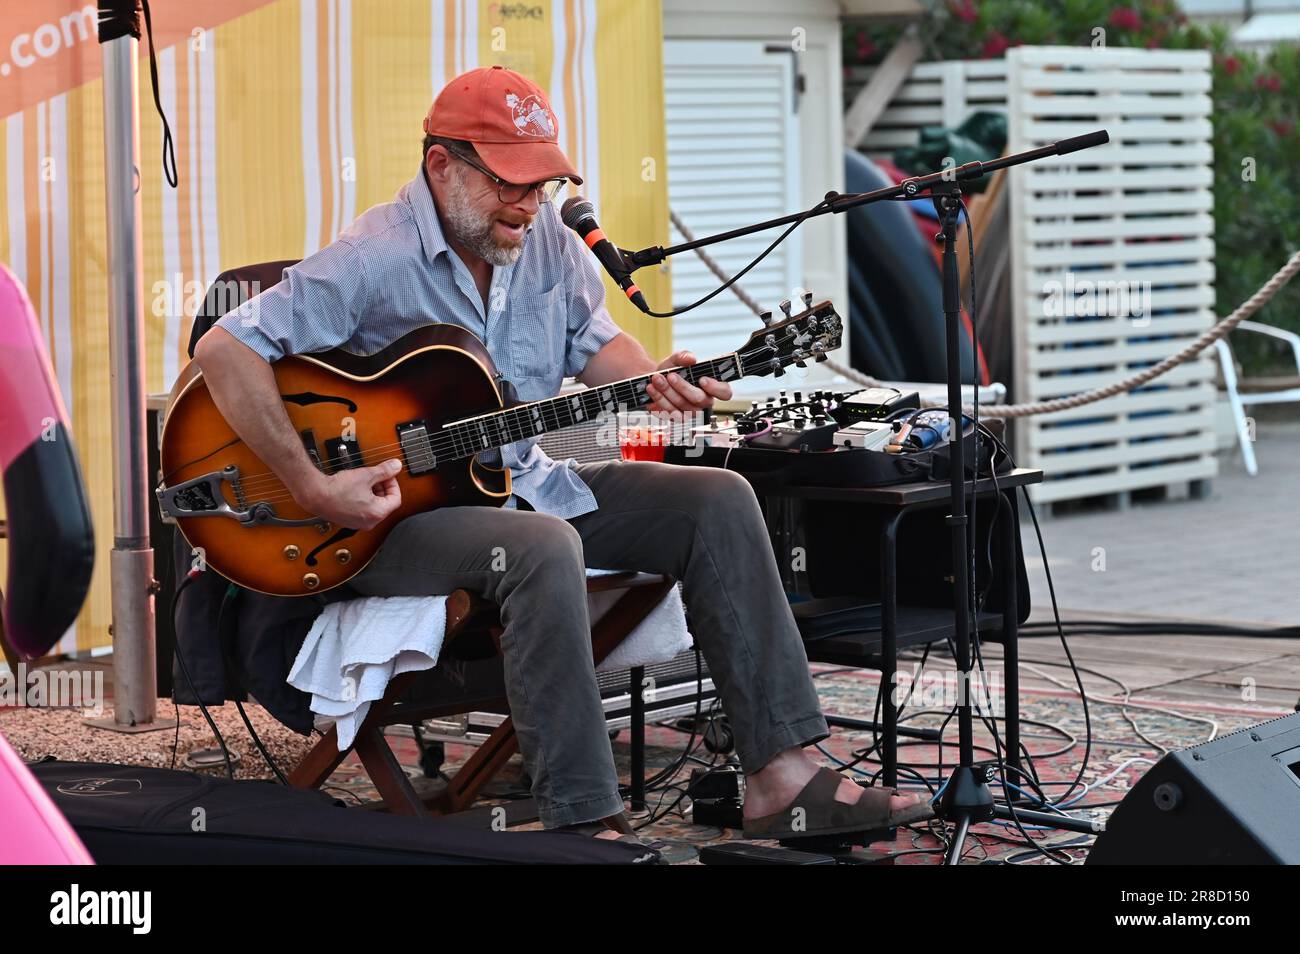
(1104, 627)
(185, 670)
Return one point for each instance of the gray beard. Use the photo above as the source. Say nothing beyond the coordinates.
(473, 229)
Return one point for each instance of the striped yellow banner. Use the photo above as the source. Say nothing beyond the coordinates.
(290, 119)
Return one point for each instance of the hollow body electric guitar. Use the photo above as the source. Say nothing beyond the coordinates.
(432, 400)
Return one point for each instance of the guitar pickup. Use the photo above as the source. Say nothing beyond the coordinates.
(416, 448)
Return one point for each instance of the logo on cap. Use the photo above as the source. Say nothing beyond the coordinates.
(531, 116)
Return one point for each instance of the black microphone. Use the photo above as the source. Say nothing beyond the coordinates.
(1086, 141)
(579, 214)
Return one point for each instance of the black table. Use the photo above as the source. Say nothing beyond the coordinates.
(910, 625)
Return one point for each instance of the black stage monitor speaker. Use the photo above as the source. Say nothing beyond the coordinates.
(1232, 801)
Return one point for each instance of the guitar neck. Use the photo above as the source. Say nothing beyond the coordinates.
(489, 431)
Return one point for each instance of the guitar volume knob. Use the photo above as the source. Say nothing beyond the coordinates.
(291, 552)
(343, 555)
(310, 580)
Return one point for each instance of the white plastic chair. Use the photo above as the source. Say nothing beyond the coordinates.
(1288, 392)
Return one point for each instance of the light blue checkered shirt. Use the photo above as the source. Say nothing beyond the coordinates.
(392, 270)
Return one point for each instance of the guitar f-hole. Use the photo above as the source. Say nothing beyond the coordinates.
(341, 535)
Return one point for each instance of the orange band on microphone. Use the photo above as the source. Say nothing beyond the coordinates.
(632, 290)
(592, 237)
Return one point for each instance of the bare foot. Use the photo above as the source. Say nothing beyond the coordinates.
(779, 782)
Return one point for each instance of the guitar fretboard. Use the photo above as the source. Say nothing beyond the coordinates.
(488, 431)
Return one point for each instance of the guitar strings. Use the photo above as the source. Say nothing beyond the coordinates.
(464, 446)
(271, 489)
(461, 446)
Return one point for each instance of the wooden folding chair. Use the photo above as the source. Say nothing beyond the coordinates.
(468, 617)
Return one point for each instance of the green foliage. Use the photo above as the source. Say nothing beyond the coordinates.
(1256, 120)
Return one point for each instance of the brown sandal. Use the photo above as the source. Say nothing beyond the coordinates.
(818, 812)
(618, 823)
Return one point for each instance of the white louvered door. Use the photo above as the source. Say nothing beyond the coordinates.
(733, 159)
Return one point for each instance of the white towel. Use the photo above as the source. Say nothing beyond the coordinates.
(356, 646)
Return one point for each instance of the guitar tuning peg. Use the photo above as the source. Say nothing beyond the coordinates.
(766, 318)
(785, 307)
(807, 299)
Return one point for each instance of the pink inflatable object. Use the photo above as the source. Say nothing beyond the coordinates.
(50, 536)
(32, 831)
(26, 386)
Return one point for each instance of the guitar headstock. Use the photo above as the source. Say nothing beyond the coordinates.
(798, 339)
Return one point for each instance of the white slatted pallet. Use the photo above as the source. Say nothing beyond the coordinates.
(1138, 210)
(935, 94)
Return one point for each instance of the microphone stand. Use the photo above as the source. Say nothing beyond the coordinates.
(966, 798)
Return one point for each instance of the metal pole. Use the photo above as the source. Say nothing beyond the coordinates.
(135, 681)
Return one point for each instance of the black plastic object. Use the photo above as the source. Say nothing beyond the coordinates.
(895, 308)
(836, 616)
(747, 853)
(771, 469)
(51, 543)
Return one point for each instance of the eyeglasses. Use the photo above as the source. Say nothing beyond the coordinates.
(511, 192)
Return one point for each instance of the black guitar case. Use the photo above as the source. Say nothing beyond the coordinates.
(135, 815)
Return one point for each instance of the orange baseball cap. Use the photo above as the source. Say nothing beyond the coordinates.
(508, 119)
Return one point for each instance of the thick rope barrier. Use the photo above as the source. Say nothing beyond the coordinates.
(1254, 303)
(1247, 308)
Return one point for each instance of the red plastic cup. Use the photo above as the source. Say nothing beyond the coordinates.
(643, 442)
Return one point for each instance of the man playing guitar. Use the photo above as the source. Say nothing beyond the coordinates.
(474, 240)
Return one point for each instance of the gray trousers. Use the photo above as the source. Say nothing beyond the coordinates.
(702, 526)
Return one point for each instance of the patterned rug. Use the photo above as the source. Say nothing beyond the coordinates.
(1053, 732)
(1124, 745)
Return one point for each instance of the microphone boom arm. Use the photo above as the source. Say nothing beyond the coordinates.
(836, 202)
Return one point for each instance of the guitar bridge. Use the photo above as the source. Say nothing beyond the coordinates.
(202, 497)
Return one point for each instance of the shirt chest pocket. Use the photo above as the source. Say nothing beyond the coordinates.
(537, 337)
